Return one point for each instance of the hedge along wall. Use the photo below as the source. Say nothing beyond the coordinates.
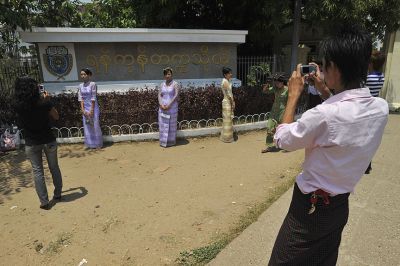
(141, 106)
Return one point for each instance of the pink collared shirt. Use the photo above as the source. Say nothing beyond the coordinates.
(340, 137)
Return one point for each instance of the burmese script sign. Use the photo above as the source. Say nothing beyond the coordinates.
(122, 57)
(145, 61)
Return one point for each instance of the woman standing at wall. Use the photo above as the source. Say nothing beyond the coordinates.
(168, 109)
(228, 105)
(87, 96)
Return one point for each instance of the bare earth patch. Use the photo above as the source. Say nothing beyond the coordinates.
(137, 203)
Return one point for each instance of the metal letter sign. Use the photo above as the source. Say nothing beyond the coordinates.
(58, 61)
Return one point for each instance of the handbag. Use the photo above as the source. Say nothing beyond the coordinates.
(9, 140)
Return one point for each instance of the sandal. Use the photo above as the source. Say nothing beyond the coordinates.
(270, 149)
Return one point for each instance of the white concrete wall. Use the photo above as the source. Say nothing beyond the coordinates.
(123, 86)
(65, 34)
(391, 88)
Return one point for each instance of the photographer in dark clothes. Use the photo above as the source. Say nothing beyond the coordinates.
(34, 115)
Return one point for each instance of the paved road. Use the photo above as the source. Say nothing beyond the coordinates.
(372, 235)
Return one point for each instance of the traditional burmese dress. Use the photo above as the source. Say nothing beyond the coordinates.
(167, 119)
(276, 114)
(87, 93)
(227, 113)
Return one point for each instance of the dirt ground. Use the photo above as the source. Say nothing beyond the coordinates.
(136, 203)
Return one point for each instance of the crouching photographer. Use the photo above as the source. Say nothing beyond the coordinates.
(280, 91)
(35, 112)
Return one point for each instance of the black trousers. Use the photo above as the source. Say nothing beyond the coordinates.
(311, 239)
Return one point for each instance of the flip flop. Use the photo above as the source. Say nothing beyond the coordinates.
(264, 150)
(269, 149)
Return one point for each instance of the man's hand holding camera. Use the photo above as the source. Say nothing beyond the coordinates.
(296, 84)
(45, 95)
(295, 89)
(319, 83)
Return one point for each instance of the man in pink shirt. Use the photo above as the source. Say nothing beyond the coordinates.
(340, 137)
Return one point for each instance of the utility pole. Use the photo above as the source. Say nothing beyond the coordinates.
(295, 36)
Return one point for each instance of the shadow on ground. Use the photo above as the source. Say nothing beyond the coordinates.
(70, 196)
(78, 192)
(16, 170)
(15, 173)
(181, 142)
(79, 151)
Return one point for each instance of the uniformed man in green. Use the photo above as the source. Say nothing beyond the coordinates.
(280, 90)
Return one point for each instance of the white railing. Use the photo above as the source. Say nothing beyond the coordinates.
(134, 129)
(149, 131)
(125, 129)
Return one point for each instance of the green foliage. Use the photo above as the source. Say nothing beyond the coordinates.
(56, 246)
(257, 72)
(61, 13)
(377, 16)
(201, 256)
(9, 71)
(263, 19)
(141, 106)
(107, 14)
(28, 13)
(13, 14)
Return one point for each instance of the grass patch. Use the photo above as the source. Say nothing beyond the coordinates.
(109, 223)
(55, 247)
(203, 255)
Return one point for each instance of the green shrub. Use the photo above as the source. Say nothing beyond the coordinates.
(141, 106)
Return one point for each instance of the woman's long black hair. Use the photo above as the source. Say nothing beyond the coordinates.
(26, 94)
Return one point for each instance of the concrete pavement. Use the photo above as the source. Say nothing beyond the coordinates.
(372, 235)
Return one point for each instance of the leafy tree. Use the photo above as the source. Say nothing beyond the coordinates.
(61, 13)
(27, 13)
(13, 14)
(107, 14)
(263, 19)
(377, 16)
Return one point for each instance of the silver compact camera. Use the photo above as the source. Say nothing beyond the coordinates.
(307, 69)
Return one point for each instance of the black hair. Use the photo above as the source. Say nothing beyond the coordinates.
(350, 50)
(226, 70)
(318, 62)
(166, 70)
(26, 94)
(281, 77)
(377, 60)
(87, 71)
